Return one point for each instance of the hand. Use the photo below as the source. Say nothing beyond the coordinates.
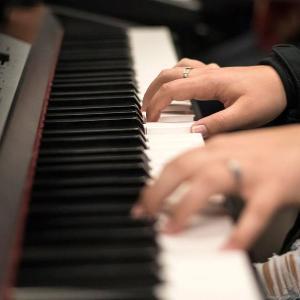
(269, 160)
(252, 96)
(172, 74)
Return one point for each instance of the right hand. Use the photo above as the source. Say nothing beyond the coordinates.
(252, 96)
(268, 161)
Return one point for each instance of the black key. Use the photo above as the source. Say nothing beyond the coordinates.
(112, 122)
(108, 93)
(84, 193)
(90, 150)
(94, 140)
(95, 113)
(89, 181)
(94, 131)
(87, 206)
(118, 65)
(78, 56)
(39, 223)
(61, 110)
(43, 256)
(95, 100)
(91, 235)
(93, 158)
(91, 275)
(93, 74)
(100, 79)
(94, 86)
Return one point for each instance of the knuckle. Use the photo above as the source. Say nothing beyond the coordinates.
(184, 60)
(164, 73)
(166, 88)
(213, 65)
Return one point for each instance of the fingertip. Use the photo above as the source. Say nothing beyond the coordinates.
(231, 245)
(145, 104)
(152, 117)
(137, 212)
(202, 129)
(171, 227)
(213, 66)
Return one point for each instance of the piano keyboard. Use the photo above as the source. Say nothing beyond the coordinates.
(89, 172)
(80, 242)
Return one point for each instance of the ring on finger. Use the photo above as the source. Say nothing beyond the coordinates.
(186, 72)
(234, 168)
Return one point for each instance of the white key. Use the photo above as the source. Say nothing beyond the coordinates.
(192, 265)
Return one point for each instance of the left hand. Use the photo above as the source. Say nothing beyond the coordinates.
(252, 96)
(269, 160)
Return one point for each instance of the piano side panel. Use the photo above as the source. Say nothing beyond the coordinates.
(20, 142)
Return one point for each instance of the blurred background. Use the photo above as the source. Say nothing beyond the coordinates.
(228, 32)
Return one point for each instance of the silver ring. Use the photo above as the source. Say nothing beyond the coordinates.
(186, 72)
(235, 169)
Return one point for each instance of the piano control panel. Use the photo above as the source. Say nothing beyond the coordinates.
(13, 57)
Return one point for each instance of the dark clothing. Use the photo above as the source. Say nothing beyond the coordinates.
(285, 59)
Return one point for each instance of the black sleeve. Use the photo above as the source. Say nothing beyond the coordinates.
(285, 59)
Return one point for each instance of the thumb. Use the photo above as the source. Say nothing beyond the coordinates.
(253, 220)
(233, 117)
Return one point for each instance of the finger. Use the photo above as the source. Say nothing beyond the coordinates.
(192, 63)
(177, 171)
(214, 179)
(166, 76)
(237, 116)
(213, 66)
(257, 214)
(163, 77)
(187, 62)
(201, 87)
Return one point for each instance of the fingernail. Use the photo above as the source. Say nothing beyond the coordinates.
(144, 116)
(138, 212)
(230, 246)
(152, 117)
(170, 228)
(200, 129)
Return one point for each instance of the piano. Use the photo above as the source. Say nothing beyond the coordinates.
(75, 153)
